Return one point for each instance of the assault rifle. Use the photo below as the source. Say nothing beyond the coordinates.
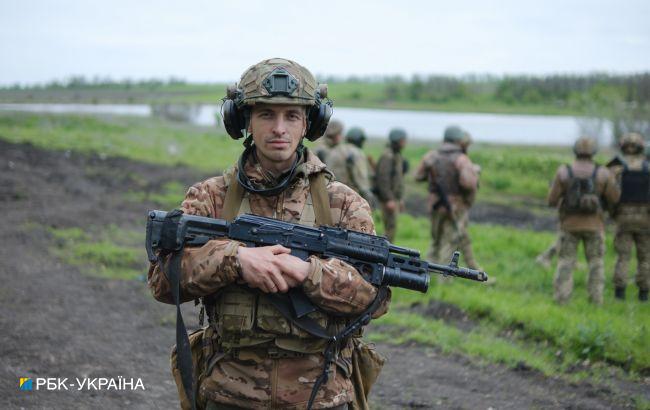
(379, 262)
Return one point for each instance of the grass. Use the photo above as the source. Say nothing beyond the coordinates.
(517, 321)
(520, 304)
(111, 253)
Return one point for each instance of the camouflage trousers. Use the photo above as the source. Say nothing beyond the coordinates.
(594, 243)
(623, 245)
(390, 221)
(449, 235)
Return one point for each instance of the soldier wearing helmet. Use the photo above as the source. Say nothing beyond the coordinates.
(453, 182)
(582, 192)
(347, 162)
(251, 355)
(632, 214)
(389, 180)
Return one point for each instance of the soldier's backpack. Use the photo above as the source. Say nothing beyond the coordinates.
(581, 196)
(635, 185)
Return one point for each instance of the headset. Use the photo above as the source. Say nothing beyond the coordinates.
(236, 116)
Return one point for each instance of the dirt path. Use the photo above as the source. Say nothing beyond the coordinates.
(58, 322)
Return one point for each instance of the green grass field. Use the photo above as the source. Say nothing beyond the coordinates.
(514, 321)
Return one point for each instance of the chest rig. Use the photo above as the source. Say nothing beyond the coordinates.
(246, 319)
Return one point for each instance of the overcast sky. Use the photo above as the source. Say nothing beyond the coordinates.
(215, 41)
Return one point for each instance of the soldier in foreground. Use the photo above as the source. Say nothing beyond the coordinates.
(347, 162)
(632, 215)
(582, 192)
(389, 181)
(453, 182)
(250, 355)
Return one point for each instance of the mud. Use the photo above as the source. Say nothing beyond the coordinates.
(58, 321)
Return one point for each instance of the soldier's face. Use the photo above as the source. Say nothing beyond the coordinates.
(277, 131)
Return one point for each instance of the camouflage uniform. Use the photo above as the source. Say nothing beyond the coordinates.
(258, 359)
(451, 170)
(350, 167)
(632, 225)
(389, 182)
(588, 228)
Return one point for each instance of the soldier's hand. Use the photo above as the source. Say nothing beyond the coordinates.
(391, 205)
(294, 270)
(260, 268)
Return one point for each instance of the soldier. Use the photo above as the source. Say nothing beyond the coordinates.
(582, 191)
(356, 136)
(348, 163)
(389, 180)
(333, 136)
(251, 355)
(453, 182)
(632, 214)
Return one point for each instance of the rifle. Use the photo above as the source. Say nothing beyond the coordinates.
(379, 262)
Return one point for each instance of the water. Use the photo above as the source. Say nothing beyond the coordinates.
(424, 125)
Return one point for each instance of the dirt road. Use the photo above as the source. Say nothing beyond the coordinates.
(59, 322)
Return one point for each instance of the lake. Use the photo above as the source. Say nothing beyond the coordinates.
(422, 125)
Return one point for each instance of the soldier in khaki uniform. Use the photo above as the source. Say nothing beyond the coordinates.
(347, 162)
(389, 180)
(251, 356)
(333, 135)
(453, 182)
(582, 192)
(632, 214)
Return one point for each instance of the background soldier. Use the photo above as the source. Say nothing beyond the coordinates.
(251, 355)
(333, 135)
(389, 180)
(357, 137)
(348, 162)
(453, 181)
(632, 214)
(580, 191)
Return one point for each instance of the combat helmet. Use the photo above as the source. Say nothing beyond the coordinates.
(454, 134)
(276, 81)
(334, 128)
(356, 136)
(634, 141)
(585, 147)
(396, 135)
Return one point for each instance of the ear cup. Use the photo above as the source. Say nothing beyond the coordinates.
(319, 117)
(233, 119)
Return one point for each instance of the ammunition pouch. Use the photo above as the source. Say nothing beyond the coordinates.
(366, 366)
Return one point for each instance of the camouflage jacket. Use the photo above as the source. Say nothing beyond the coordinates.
(631, 217)
(606, 188)
(254, 381)
(452, 170)
(389, 176)
(350, 167)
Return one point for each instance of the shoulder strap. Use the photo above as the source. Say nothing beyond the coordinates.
(569, 170)
(595, 173)
(234, 195)
(320, 198)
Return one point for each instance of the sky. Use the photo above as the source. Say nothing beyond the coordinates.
(215, 41)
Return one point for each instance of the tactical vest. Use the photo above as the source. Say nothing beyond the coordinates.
(581, 196)
(635, 185)
(245, 318)
(447, 175)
